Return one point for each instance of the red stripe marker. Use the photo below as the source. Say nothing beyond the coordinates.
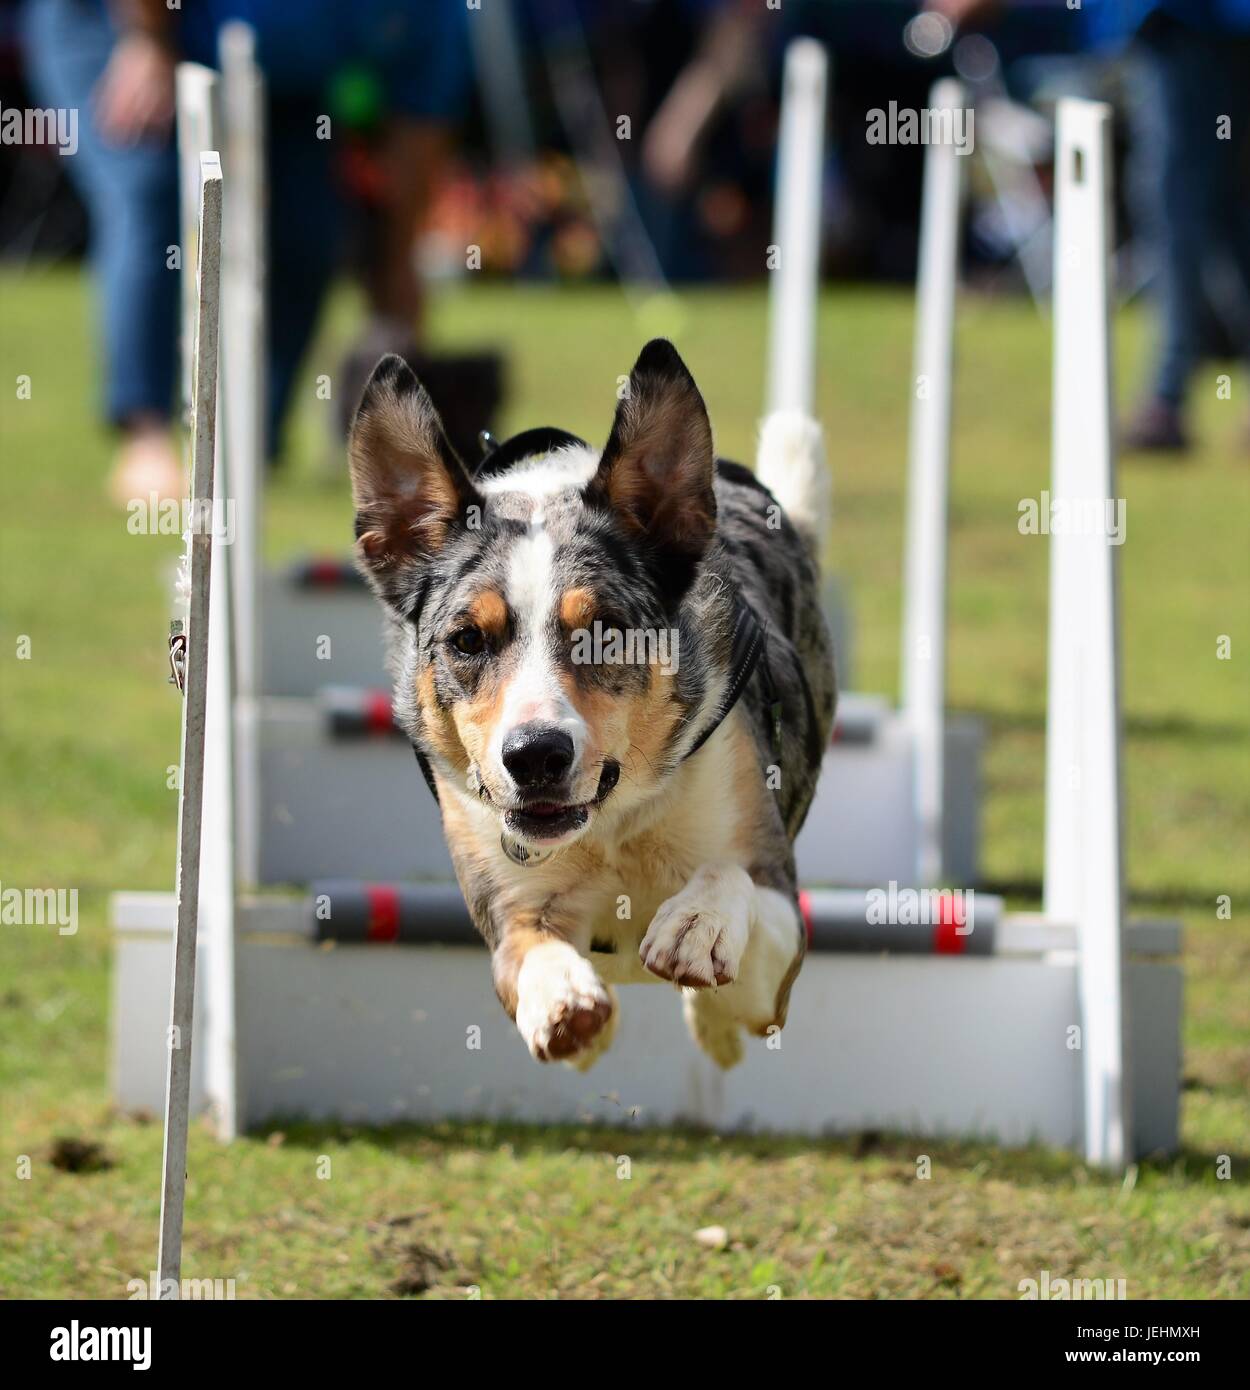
(383, 911)
(948, 939)
(377, 711)
(805, 911)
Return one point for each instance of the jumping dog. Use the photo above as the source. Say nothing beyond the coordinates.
(616, 675)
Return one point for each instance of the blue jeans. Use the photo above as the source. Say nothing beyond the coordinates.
(131, 195)
(1200, 216)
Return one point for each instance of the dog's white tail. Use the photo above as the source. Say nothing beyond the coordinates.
(790, 462)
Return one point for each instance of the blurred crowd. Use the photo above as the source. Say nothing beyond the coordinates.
(629, 138)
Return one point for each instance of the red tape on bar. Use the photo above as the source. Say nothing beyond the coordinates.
(378, 712)
(948, 940)
(805, 911)
(323, 574)
(383, 911)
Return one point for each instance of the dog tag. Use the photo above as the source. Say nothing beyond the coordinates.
(517, 852)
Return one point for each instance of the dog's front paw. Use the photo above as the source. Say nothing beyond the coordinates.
(563, 1008)
(698, 936)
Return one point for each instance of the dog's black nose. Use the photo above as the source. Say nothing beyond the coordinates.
(537, 755)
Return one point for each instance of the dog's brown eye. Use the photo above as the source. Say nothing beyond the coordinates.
(468, 641)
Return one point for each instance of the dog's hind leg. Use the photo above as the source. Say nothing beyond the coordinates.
(713, 1026)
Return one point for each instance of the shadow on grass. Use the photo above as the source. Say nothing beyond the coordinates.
(692, 1145)
(1174, 897)
(1150, 726)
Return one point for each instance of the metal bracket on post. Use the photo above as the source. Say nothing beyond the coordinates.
(194, 712)
(1084, 881)
(923, 660)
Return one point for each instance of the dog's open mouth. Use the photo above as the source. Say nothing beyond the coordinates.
(544, 821)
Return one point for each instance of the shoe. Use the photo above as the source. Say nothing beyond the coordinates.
(1157, 428)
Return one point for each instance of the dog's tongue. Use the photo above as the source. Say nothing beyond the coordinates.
(544, 808)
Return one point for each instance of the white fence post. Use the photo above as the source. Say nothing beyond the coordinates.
(923, 658)
(794, 302)
(194, 715)
(1084, 859)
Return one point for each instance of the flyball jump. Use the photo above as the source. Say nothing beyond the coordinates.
(1025, 1039)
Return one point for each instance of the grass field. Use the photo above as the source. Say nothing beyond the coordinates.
(90, 728)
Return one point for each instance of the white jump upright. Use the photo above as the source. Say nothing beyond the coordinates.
(244, 366)
(1084, 881)
(922, 663)
(198, 125)
(794, 302)
(195, 98)
(911, 774)
(194, 722)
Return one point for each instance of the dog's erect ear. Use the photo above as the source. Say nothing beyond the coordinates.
(657, 468)
(409, 487)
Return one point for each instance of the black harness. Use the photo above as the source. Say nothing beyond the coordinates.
(747, 650)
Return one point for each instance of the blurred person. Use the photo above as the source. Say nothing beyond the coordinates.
(1191, 152)
(1194, 174)
(698, 158)
(727, 52)
(114, 60)
(120, 79)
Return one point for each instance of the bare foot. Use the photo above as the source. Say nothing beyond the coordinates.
(147, 462)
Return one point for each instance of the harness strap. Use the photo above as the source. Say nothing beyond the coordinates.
(426, 771)
(745, 652)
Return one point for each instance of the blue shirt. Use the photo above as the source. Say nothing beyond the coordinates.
(418, 49)
(1116, 21)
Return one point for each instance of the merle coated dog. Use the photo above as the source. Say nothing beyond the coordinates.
(615, 671)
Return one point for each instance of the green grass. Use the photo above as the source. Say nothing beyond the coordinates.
(90, 729)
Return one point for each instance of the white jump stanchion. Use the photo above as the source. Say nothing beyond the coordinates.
(244, 372)
(197, 91)
(924, 812)
(195, 97)
(796, 230)
(1084, 877)
(923, 659)
(194, 723)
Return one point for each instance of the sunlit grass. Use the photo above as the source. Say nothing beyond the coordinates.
(91, 727)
